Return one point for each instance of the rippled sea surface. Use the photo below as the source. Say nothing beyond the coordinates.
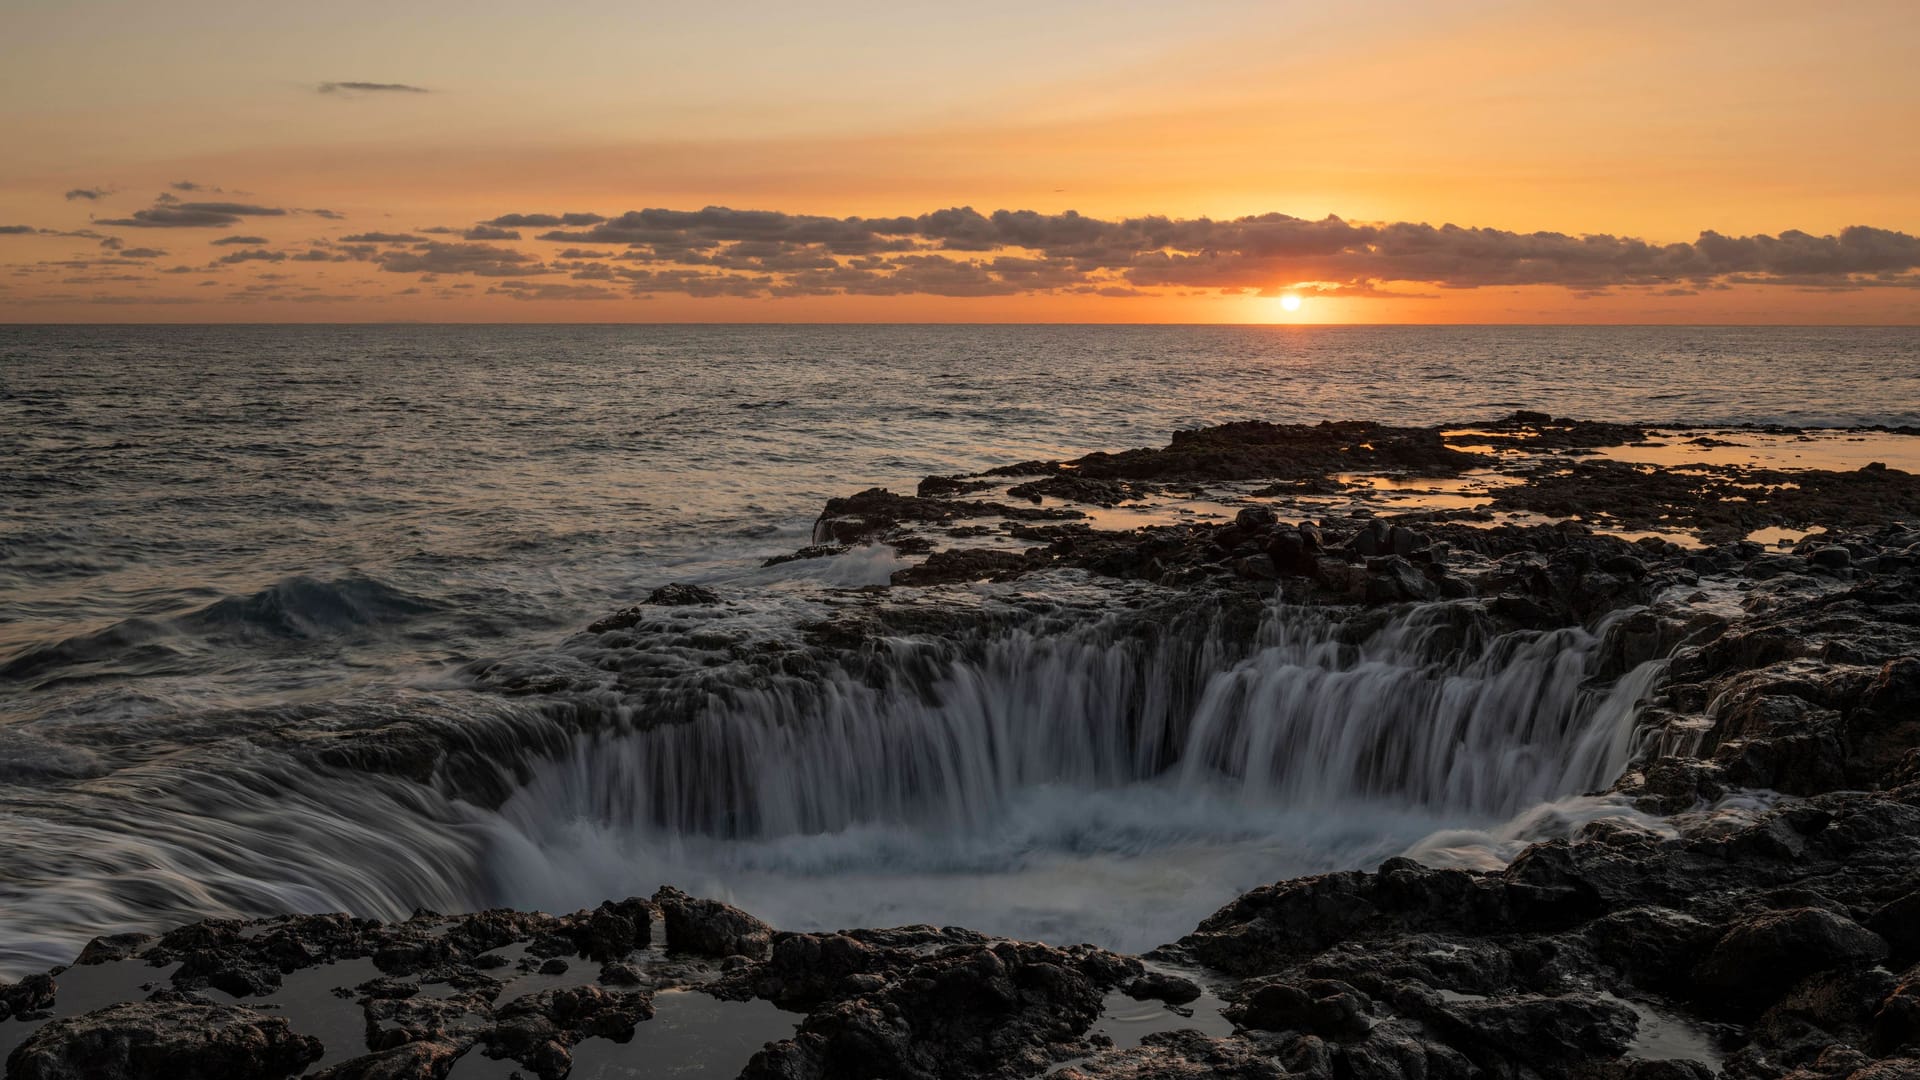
(211, 537)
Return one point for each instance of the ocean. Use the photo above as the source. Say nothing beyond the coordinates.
(223, 549)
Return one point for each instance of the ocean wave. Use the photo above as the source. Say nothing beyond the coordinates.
(297, 609)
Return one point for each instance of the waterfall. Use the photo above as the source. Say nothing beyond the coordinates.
(1106, 779)
(1432, 711)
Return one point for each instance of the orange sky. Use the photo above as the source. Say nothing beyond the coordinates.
(1644, 122)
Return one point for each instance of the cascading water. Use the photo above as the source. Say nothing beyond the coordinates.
(1103, 768)
(1101, 783)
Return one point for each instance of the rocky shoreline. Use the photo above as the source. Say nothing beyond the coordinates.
(1757, 916)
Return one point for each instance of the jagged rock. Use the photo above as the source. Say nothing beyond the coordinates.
(615, 974)
(1073, 487)
(999, 1009)
(961, 565)
(31, 994)
(674, 595)
(1178, 1055)
(709, 927)
(1766, 953)
(678, 595)
(411, 1061)
(172, 1036)
(1328, 1008)
(540, 1029)
(1160, 986)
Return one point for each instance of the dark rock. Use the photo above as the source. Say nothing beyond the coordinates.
(1393, 579)
(31, 994)
(1178, 1055)
(962, 565)
(711, 928)
(675, 595)
(618, 974)
(170, 1037)
(1548, 1033)
(939, 486)
(1763, 955)
(105, 950)
(811, 551)
(409, 1061)
(540, 1029)
(1160, 986)
(1328, 1008)
(1073, 487)
(1255, 518)
(614, 929)
(1831, 557)
(1000, 1009)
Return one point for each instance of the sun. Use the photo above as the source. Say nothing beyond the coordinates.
(1290, 302)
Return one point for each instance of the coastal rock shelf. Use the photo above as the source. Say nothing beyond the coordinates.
(1706, 749)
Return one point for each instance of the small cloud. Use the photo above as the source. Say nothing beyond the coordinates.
(382, 238)
(253, 256)
(437, 257)
(330, 215)
(226, 241)
(544, 221)
(171, 214)
(490, 232)
(91, 194)
(350, 89)
(527, 290)
(17, 230)
(141, 253)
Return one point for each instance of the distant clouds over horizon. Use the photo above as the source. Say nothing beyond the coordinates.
(953, 253)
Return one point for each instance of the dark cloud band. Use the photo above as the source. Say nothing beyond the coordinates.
(961, 252)
(370, 88)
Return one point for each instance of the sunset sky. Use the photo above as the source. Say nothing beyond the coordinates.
(1035, 161)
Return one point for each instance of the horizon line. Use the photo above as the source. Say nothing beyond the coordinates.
(969, 323)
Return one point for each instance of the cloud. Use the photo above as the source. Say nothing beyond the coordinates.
(17, 230)
(544, 221)
(350, 89)
(193, 215)
(142, 253)
(546, 290)
(439, 257)
(961, 252)
(87, 193)
(252, 255)
(330, 215)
